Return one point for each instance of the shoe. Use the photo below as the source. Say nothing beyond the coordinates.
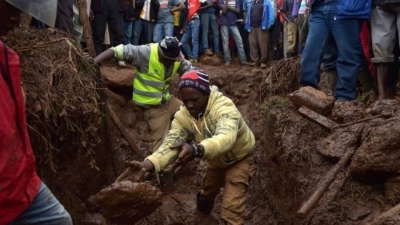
(227, 63)
(263, 65)
(121, 63)
(208, 52)
(248, 63)
(193, 60)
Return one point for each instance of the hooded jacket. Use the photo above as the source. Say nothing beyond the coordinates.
(267, 17)
(222, 132)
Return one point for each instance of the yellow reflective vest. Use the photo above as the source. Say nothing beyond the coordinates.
(152, 88)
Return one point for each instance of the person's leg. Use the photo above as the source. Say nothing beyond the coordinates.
(115, 23)
(158, 32)
(195, 38)
(65, 14)
(215, 33)
(78, 28)
(185, 41)
(45, 209)
(159, 120)
(350, 55)
(128, 31)
(263, 43)
(205, 21)
(238, 41)
(137, 30)
(237, 179)
(213, 181)
(225, 43)
(303, 31)
(149, 29)
(99, 29)
(315, 47)
(291, 37)
(168, 29)
(253, 41)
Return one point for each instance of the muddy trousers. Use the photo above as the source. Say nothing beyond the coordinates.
(235, 180)
(159, 120)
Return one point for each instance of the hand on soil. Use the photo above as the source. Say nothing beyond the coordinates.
(186, 153)
(135, 172)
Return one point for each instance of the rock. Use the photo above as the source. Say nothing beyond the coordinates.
(211, 60)
(313, 99)
(378, 157)
(129, 202)
(392, 190)
(358, 213)
(116, 76)
(348, 111)
(386, 107)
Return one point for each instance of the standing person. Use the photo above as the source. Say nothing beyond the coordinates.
(178, 23)
(343, 23)
(108, 11)
(191, 31)
(165, 19)
(221, 137)
(24, 198)
(208, 19)
(302, 24)
(289, 10)
(128, 16)
(227, 21)
(146, 15)
(259, 16)
(155, 64)
(65, 15)
(384, 26)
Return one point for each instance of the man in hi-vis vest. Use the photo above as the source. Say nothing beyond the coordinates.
(156, 64)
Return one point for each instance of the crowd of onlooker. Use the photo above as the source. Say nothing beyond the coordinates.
(354, 42)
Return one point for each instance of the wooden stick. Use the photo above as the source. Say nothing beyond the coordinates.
(325, 183)
(386, 215)
(359, 121)
(123, 130)
(87, 30)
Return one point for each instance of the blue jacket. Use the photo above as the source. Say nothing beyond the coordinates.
(267, 17)
(356, 9)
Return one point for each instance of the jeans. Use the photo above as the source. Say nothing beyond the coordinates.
(345, 32)
(238, 41)
(45, 209)
(192, 31)
(162, 30)
(140, 25)
(128, 25)
(206, 20)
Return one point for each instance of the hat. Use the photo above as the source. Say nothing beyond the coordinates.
(170, 48)
(197, 79)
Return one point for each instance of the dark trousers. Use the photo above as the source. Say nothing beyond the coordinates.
(111, 14)
(65, 14)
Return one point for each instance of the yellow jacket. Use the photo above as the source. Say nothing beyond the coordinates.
(222, 131)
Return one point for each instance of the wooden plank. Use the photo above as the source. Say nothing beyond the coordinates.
(317, 118)
(123, 130)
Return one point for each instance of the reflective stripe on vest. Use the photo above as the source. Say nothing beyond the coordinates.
(152, 88)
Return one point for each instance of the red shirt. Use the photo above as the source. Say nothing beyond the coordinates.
(193, 6)
(19, 183)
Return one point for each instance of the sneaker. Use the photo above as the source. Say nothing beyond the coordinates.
(121, 63)
(263, 65)
(208, 52)
(227, 63)
(250, 63)
(193, 60)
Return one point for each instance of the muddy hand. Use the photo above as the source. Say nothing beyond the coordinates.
(186, 153)
(135, 172)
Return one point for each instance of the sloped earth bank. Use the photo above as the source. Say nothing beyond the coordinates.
(293, 154)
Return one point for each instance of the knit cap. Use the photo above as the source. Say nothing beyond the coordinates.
(197, 79)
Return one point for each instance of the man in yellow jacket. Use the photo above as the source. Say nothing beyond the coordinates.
(156, 64)
(221, 137)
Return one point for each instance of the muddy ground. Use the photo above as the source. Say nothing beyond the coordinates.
(291, 152)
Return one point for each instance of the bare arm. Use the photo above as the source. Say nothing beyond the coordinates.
(107, 54)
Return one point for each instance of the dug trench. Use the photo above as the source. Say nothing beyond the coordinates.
(81, 150)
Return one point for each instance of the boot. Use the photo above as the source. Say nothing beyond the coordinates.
(204, 205)
(382, 70)
(331, 79)
(365, 79)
